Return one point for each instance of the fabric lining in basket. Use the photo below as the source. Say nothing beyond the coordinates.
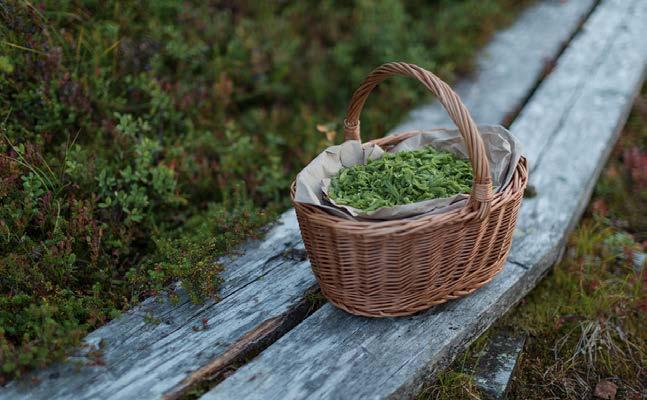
(502, 149)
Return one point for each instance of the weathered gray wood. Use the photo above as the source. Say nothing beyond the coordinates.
(145, 359)
(510, 66)
(335, 355)
(536, 122)
(497, 363)
(256, 258)
(600, 105)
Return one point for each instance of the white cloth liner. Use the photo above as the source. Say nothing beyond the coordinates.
(502, 148)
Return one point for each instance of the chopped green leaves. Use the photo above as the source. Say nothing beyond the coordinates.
(401, 178)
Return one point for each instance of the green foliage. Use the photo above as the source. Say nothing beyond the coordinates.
(401, 178)
(141, 140)
(452, 385)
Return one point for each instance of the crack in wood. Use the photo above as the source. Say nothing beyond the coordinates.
(245, 348)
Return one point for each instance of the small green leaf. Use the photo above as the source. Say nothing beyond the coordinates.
(401, 178)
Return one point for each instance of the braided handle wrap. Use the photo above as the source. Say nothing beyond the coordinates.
(482, 193)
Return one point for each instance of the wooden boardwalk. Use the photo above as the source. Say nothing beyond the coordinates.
(568, 127)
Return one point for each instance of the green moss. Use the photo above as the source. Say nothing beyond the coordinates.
(452, 385)
(584, 323)
(141, 140)
(401, 178)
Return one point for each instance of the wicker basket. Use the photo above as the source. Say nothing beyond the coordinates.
(399, 267)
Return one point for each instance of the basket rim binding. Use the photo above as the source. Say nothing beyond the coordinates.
(403, 226)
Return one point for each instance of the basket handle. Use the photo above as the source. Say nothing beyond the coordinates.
(482, 193)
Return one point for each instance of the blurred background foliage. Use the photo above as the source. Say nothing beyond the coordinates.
(140, 140)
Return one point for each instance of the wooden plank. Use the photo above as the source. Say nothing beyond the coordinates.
(554, 96)
(600, 106)
(129, 343)
(510, 66)
(497, 364)
(254, 259)
(264, 298)
(335, 355)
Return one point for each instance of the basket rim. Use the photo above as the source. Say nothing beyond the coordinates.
(380, 227)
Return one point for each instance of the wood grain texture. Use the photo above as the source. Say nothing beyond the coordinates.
(545, 113)
(569, 161)
(334, 355)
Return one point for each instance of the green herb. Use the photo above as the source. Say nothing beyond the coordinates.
(401, 178)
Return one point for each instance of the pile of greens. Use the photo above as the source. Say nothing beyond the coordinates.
(401, 178)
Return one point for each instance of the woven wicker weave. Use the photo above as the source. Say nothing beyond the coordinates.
(399, 267)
